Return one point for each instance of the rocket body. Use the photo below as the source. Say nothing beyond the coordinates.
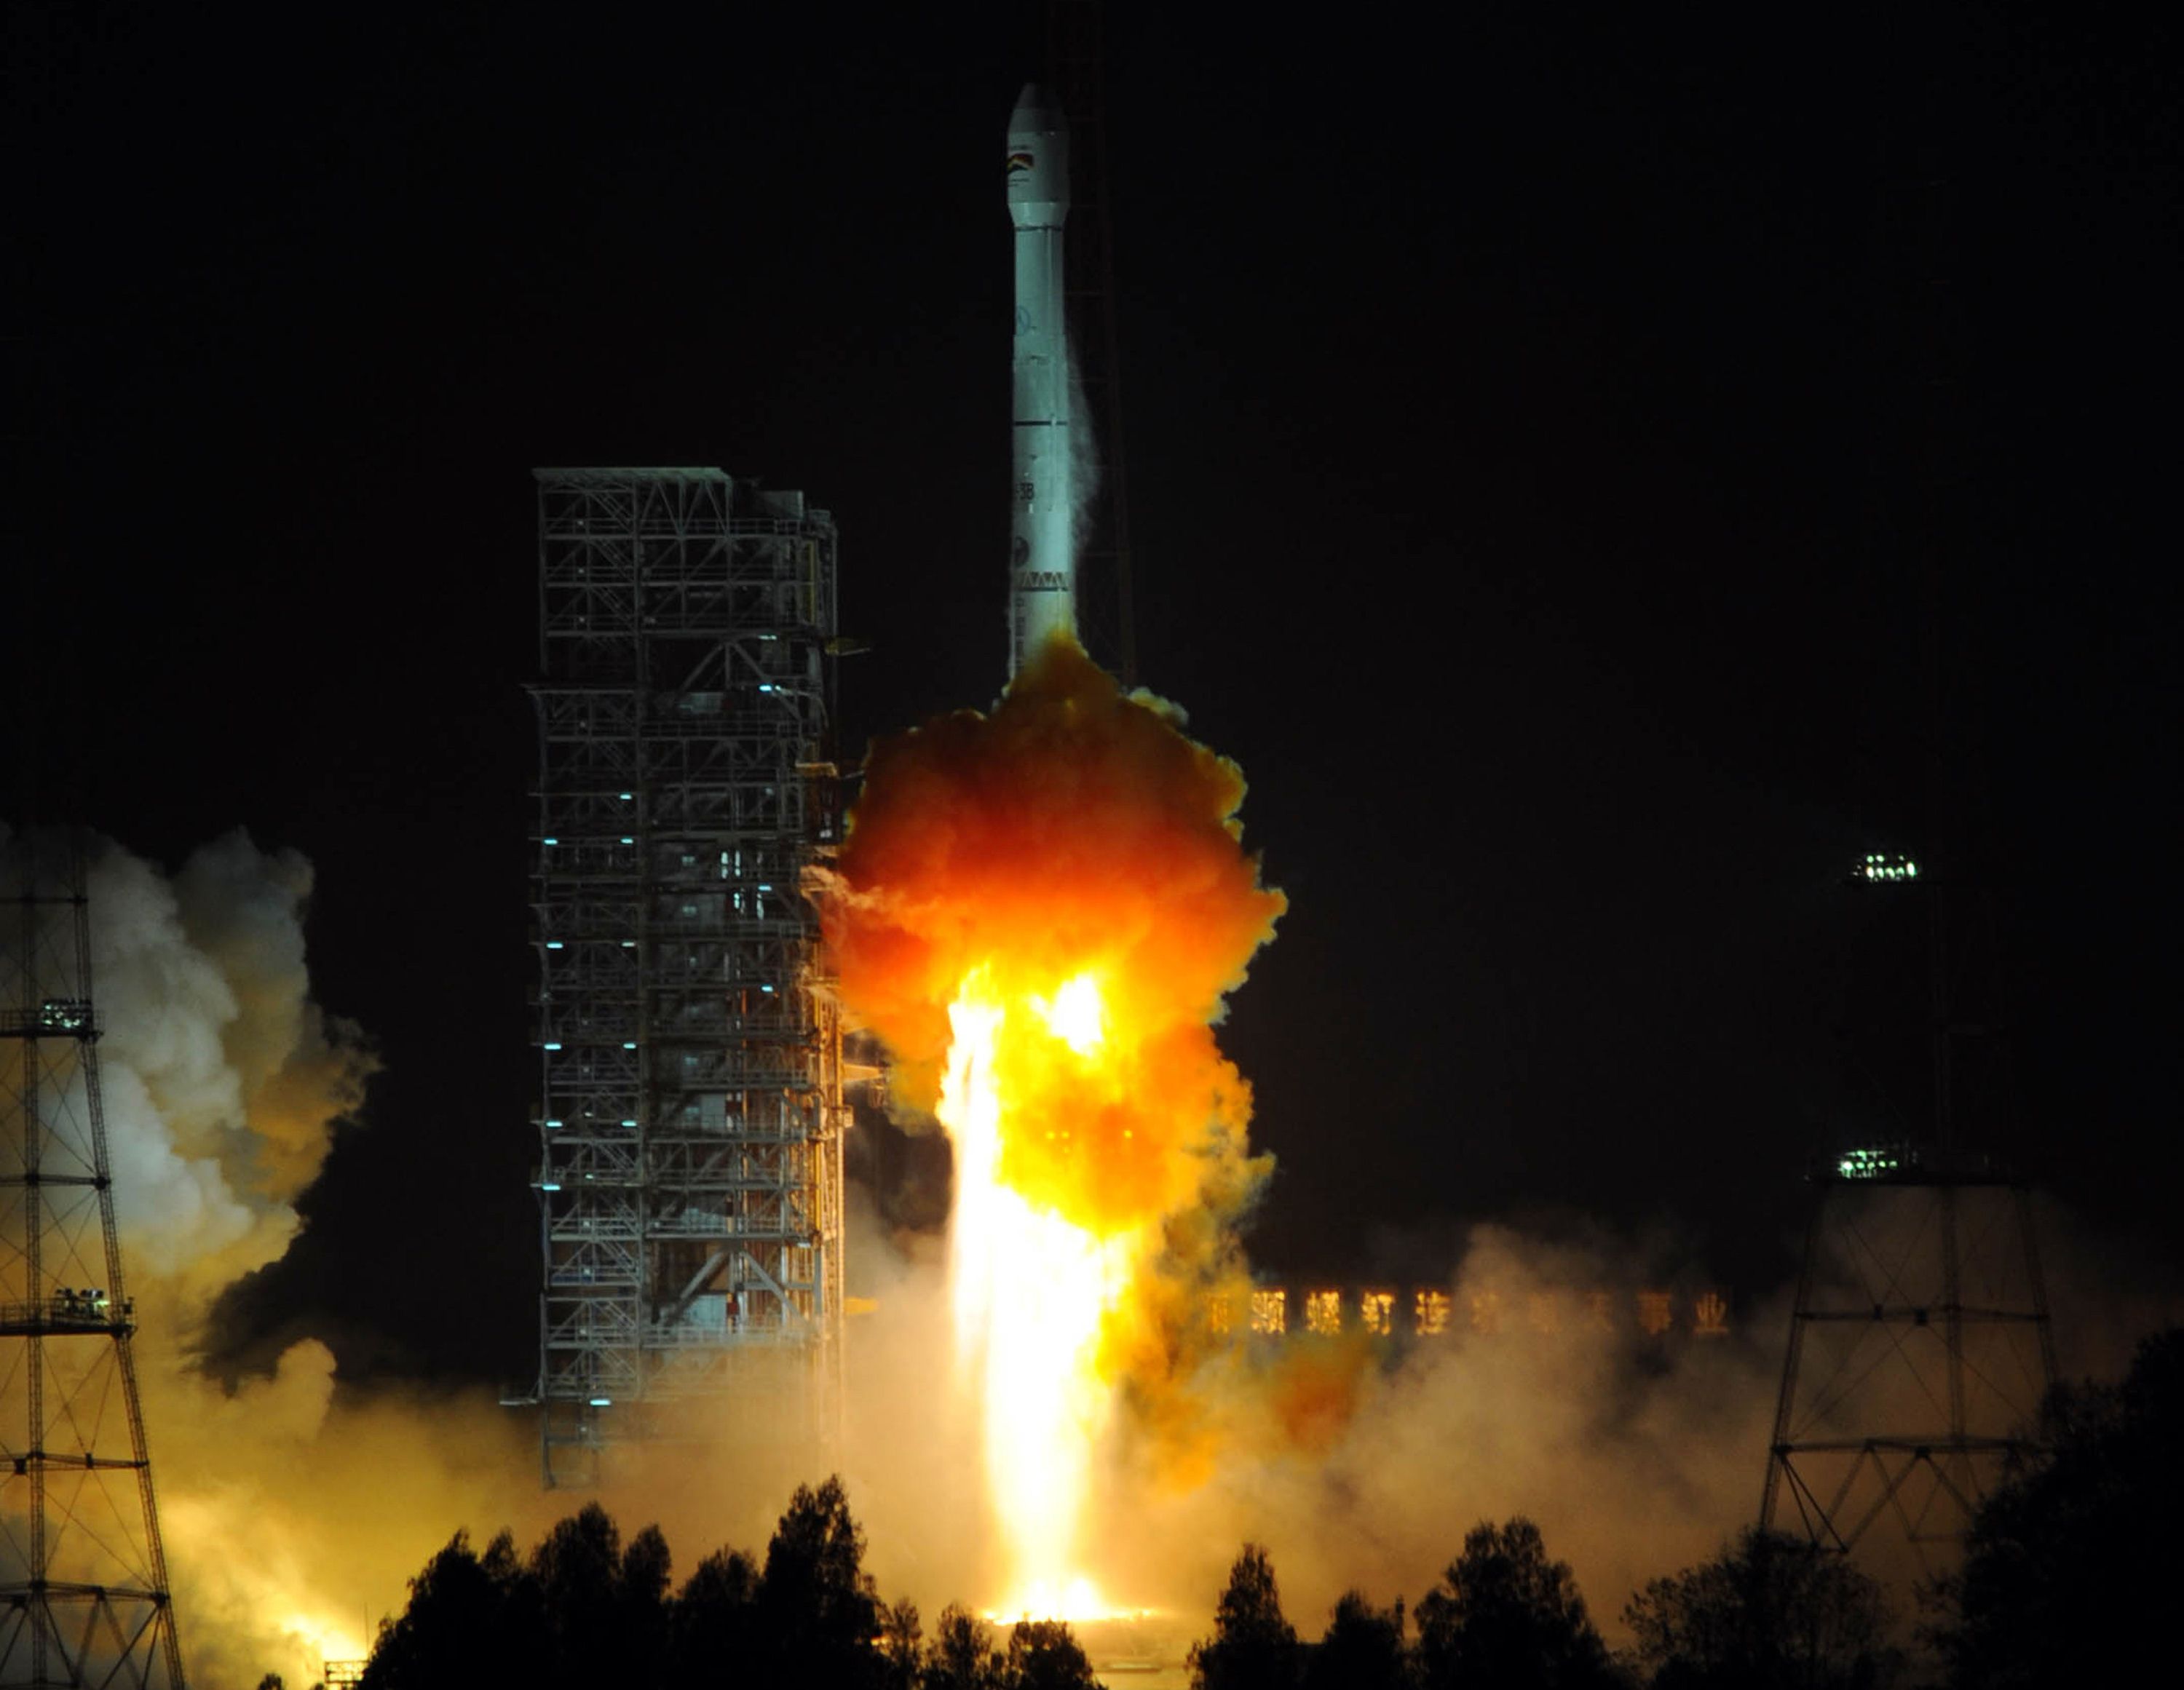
(1042, 551)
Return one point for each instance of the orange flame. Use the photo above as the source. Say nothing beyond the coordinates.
(1040, 911)
(1072, 832)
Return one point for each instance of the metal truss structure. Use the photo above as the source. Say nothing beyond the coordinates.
(691, 1119)
(1920, 1351)
(1920, 1347)
(83, 1595)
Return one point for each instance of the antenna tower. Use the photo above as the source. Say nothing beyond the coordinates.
(1920, 1347)
(83, 1578)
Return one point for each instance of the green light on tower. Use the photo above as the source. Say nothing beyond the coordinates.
(1868, 1162)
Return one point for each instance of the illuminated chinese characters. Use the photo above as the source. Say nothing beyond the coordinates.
(1486, 1311)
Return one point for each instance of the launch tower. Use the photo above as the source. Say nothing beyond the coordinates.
(690, 1087)
(83, 1576)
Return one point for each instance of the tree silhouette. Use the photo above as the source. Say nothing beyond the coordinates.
(1253, 1646)
(468, 1622)
(1769, 1612)
(1363, 1649)
(584, 1609)
(962, 1656)
(1505, 1615)
(577, 1566)
(817, 1610)
(714, 1618)
(1044, 1654)
(900, 1636)
(2063, 1567)
(643, 1615)
(604, 1610)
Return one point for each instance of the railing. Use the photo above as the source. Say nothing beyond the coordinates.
(55, 1018)
(68, 1312)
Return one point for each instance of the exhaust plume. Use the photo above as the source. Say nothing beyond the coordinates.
(1040, 911)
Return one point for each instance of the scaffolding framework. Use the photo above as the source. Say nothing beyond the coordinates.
(83, 1595)
(691, 1119)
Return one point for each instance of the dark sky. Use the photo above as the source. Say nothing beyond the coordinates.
(1523, 426)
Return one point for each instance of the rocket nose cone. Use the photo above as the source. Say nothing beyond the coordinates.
(1035, 110)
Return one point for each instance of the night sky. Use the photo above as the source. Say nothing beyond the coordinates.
(1524, 424)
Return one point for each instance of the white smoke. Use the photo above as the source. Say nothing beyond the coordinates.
(292, 1507)
(221, 1078)
(221, 1081)
(1083, 463)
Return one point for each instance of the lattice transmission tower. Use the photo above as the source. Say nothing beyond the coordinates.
(1920, 1346)
(691, 1113)
(84, 1598)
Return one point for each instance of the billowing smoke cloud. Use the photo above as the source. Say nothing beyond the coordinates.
(222, 1078)
(295, 1508)
(1074, 833)
(1635, 1454)
(1073, 828)
(299, 1068)
(222, 1082)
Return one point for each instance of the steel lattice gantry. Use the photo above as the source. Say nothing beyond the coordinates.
(83, 1577)
(691, 1117)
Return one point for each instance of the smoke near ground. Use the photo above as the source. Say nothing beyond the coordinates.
(1071, 827)
(223, 1082)
(296, 1508)
(1635, 1455)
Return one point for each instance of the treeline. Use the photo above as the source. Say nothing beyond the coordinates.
(2062, 1573)
(1768, 1611)
(585, 1612)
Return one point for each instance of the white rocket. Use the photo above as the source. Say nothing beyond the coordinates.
(1042, 557)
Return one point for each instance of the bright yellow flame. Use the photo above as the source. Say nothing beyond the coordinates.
(1074, 1015)
(1077, 1601)
(1040, 910)
(1030, 1289)
(324, 1639)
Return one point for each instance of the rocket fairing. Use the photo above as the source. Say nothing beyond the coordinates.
(1042, 553)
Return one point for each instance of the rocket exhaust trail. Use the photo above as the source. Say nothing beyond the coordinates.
(1042, 557)
(1041, 910)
